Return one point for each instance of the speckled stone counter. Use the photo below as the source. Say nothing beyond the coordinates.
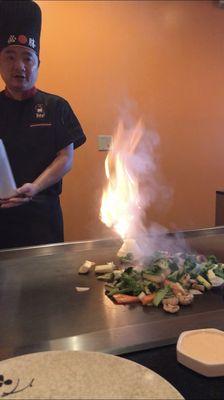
(80, 375)
(191, 385)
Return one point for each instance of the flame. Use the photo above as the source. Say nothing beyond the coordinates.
(120, 205)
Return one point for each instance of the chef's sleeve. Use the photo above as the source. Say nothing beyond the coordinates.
(68, 128)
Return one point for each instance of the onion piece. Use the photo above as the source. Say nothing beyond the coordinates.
(82, 289)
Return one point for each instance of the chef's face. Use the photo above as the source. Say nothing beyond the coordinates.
(18, 67)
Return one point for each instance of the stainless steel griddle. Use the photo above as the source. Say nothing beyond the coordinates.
(41, 310)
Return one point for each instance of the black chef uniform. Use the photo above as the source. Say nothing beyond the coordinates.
(33, 131)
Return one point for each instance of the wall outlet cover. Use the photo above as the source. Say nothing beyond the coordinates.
(105, 142)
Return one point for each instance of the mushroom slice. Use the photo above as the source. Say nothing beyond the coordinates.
(170, 308)
(198, 287)
(173, 301)
(185, 299)
(195, 291)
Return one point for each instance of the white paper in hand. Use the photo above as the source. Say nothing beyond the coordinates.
(7, 182)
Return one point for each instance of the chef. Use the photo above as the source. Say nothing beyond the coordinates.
(39, 131)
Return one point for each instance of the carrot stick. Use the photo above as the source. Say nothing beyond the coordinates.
(147, 299)
(125, 298)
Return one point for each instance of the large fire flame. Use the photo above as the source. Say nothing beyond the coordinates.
(121, 205)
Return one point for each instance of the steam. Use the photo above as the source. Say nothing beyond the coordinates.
(158, 238)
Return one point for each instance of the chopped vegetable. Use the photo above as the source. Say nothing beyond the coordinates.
(219, 270)
(185, 299)
(103, 269)
(196, 286)
(170, 308)
(195, 291)
(171, 300)
(204, 282)
(159, 296)
(154, 275)
(215, 280)
(125, 299)
(117, 291)
(106, 277)
(127, 259)
(176, 287)
(82, 289)
(212, 259)
(147, 299)
(170, 279)
(85, 268)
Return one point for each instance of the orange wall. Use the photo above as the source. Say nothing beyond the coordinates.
(167, 57)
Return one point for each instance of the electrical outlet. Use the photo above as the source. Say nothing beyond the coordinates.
(105, 142)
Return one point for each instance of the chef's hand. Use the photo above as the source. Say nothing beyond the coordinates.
(24, 194)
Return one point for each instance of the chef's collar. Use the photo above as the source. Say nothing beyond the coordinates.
(25, 95)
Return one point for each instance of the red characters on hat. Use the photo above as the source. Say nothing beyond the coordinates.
(22, 39)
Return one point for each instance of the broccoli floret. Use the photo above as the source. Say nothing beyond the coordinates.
(131, 282)
(212, 259)
(189, 263)
(173, 265)
(219, 270)
(153, 269)
(127, 259)
(129, 270)
(174, 276)
(152, 287)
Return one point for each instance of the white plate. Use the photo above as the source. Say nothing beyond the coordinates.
(7, 182)
(202, 350)
(81, 375)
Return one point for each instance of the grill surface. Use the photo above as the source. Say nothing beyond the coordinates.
(41, 310)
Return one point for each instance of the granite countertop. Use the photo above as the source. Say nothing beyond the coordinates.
(80, 375)
(191, 385)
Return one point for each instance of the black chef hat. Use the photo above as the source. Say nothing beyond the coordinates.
(20, 24)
